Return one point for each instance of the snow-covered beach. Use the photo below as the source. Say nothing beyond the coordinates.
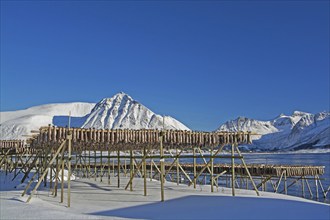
(92, 199)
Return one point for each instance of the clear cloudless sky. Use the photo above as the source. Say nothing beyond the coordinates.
(202, 62)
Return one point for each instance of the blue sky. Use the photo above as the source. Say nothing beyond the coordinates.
(203, 62)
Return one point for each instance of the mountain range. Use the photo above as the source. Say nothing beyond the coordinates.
(300, 130)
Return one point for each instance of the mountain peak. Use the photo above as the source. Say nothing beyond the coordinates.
(117, 98)
(299, 113)
(122, 95)
(122, 111)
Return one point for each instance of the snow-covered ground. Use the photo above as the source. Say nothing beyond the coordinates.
(97, 200)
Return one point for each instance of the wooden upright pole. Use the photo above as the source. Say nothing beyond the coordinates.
(285, 184)
(211, 174)
(89, 164)
(101, 163)
(161, 168)
(51, 175)
(317, 188)
(232, 170)
(109, 166)
(131, 169)
(144, 171)
(118, 168)
(194, 163)
(69, 137)
(56, 176)
(177, 168)
(151, 165)
(95, 164)
(62, 177)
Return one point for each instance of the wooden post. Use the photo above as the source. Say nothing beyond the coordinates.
(151, 174)
(51, 175)
(69, 138)
(95, 164)
(194, 163)
(56, 176)
(118, 168)
(62, 177)
(212, 168)
(285, 184)
(109, 166)
(161, 168)
(317, 188)
(101, 162)
(177, 168)
(232, 170)
(131, 169)
(113, 167)
(89, 163)
(125, 165)
(44, 164)
(144, 171)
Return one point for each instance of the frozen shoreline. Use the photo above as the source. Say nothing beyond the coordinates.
(97, 200)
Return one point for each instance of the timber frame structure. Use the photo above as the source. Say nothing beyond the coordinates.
(102, 153)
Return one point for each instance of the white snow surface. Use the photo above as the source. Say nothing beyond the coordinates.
(300, 130)
(121, 112)
(97, 200)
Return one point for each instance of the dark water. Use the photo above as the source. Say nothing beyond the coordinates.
(313, 159)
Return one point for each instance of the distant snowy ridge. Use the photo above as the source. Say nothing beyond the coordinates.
(301, 130)
(118, 112)
(121, 111)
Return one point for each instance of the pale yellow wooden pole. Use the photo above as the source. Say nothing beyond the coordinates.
(194, 163)
(131, 169)
(118, 168)
(162, 163)
(144, 171)
(69, 138)
(232, 170)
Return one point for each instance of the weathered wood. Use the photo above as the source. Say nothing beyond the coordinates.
(232, 171)
(43, 175)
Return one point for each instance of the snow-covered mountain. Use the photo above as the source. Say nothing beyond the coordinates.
(16, 124)
(300, 130)
(121, 111)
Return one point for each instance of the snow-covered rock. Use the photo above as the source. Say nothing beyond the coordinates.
(300, 130)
